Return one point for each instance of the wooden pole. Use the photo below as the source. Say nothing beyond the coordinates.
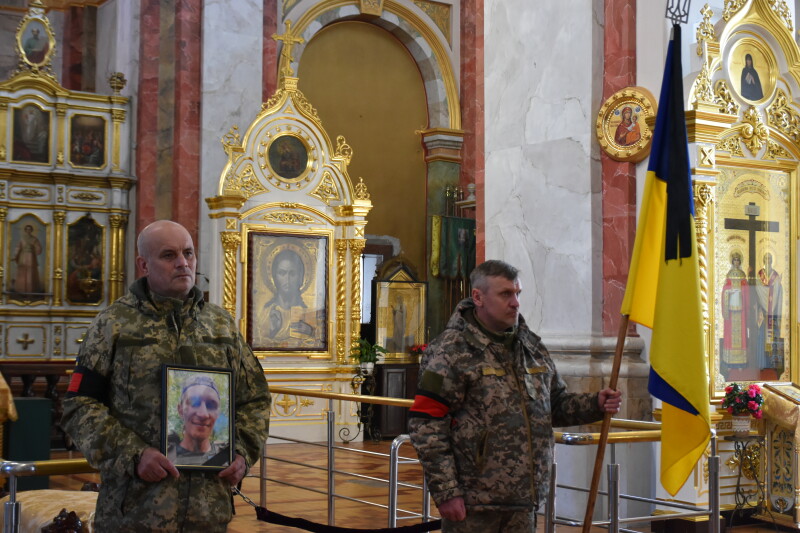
(601, 446)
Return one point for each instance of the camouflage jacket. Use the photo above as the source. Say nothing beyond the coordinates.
(113, 407)
(482, 421)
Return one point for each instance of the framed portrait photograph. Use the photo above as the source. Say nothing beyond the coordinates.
(31, 136)
(87, 144)
(400, 317)
(287, 296)
(197, 417)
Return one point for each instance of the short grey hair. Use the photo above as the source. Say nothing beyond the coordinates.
(492, 268)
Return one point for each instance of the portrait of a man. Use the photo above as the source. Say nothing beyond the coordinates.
(35, 42)
(31, 135)
(288, 310)
(199, 435)
(27, 247)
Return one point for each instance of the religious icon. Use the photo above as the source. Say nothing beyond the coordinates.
(288, 292)
(288, 157)
(622, 130)
(26, 249)
(85, 261)
(31, 134)
(754, 249)
(751, 69)
(87, 141)
(400, 318)
(35, 42)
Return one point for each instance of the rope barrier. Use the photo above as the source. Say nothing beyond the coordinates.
(265, 515)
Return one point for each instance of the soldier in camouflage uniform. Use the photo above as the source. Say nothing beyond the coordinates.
(487, 400)
(112, 408)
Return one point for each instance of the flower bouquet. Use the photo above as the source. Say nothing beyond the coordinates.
(740, 400)
(417, 350)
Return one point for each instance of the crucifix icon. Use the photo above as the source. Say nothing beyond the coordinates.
(289, 41)
(25, 341)
(751, 225)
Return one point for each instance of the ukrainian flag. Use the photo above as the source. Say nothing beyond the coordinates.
(663, 291)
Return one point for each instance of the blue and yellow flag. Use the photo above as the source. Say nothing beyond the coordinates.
(663, 291)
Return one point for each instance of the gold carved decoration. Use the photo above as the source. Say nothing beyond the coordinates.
(705, 30)
(230, 223)
(117, 276)
(754, 133)
(703, 92)
(371, 7)
(732, 145)
(230, 245)
(326, 190)
(245, 183)
(782, 10)
(783, 116)
(775, 151)
(59, 217)
(231, 141)
(3, 153)
(439, 14)
(289, 41)
(343, 150)
(287, 217)
(732, 7)
(117, 82)
(361, 190)
(30, 193)
(706, 156)
(703, 197)
(87, 197)
(621, 124)
(724, 98)
(341, 282)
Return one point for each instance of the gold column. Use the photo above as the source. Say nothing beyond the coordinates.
(703, 197)
(116, 276)
(230, 244)
(3, 214)
(117, 118)
(58, 263)
(3, 119)
(356, 247)
(341, 286)
(61, 112)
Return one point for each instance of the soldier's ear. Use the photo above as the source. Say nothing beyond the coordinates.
(477, 297)
(141, 263)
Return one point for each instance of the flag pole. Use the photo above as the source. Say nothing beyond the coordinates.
(601, 445)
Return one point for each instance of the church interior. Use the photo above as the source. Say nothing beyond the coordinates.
(343, 165)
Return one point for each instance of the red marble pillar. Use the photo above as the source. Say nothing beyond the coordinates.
(619, 179)
(73, 49)
(186, 144)
(147, 114)
(472, 119)
(269, 72)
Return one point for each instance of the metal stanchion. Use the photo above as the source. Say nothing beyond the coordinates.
(262, 473)
(12, 507)
(613, 498)
(394, 454)
(331, 437)
(713, 486)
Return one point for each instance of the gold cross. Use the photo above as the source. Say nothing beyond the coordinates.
(286, 402)
(25, 341)
(289, 41)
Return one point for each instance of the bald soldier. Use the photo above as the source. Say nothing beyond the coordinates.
(112, 407)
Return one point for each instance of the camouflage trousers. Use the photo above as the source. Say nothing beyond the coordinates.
(492, 522)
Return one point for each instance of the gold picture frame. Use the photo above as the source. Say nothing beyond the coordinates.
(400, 316)
(287, 296)
(622, 124)
(36, 41)
(752, 70)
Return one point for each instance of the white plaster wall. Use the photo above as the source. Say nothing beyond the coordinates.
(231, 95)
